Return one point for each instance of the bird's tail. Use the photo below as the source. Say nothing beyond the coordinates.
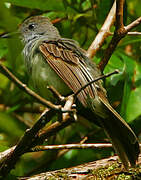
(122, 136)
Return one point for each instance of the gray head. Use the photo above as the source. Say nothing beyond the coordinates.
(38, 26)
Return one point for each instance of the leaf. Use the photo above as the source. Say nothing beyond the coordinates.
(3, 148)
(80, 15)
(7, 21)
(9, 125)
(42, 4)
(3, 48)
(12, 109)
(103, 9)
(4, 81)
(134, 102)
(128, 73)
(114, 63)
(130, 41)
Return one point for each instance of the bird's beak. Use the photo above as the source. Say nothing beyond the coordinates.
(10, 35)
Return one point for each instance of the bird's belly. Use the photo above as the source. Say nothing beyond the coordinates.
(43, 76)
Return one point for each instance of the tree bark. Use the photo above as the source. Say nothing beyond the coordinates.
(104, 169)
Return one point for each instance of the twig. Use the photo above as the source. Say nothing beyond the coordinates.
(60, 153)
(56, 94)
(97, 79)
(133, 24)
(67, 119)
(68, 105)
(134, 33)
(63, 151)
(103, 33)
(22, 109)
(58, 20)
(37, 109)
(24, 121)
(22, 86)
(72, 146)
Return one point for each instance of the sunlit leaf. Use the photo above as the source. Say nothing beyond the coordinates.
(36, 4)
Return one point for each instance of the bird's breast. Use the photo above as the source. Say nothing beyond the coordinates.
(42, 76)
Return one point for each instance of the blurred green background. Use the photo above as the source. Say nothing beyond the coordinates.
(80, 20)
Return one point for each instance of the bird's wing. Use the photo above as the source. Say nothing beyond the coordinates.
(71, 66)
(68, 62)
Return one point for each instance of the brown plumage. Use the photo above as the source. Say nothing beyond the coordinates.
(67, 64)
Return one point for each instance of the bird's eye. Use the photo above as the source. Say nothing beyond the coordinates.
(31, 26)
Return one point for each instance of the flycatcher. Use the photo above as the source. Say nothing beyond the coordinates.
(59, 62)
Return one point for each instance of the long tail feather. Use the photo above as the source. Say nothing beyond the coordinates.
(122, 136)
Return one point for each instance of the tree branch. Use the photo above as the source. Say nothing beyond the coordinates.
(72, 146)
(120, 32)
(22, 86)
(67, 119)
(32, 137)
(133, 24)
(107, 168)
(103, 33)
(25, 143)
(134, 33)
(119, 14)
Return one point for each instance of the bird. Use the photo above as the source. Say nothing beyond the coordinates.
(52, 60)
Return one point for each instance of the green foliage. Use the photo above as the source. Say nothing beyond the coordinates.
(80, 20)
(41, 5)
